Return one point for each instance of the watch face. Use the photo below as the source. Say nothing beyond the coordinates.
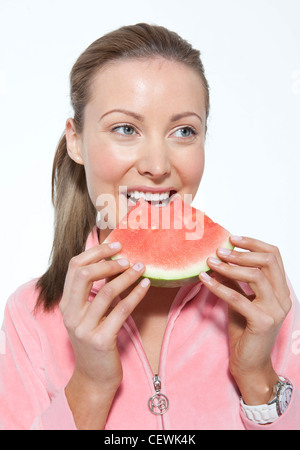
(285, 398)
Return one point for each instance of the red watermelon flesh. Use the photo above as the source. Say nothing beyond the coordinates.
(173, 241)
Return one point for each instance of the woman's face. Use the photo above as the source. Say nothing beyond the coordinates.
(144, 133)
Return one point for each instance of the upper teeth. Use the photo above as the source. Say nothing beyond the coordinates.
(149, 196)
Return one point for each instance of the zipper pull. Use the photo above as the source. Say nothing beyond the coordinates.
(158, 403)
(156, 383)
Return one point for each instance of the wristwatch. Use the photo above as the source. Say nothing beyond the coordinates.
(269, 412)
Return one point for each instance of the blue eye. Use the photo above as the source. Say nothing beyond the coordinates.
(185, 132)
(126, 130)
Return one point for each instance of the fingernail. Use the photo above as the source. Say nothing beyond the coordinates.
(138, 266)
(224, 251)
(236, 238)
(114, 245)
(214, 260)
(123, 262)
(145, 282)
(205, 276)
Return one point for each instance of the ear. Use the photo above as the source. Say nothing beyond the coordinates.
(73, 142)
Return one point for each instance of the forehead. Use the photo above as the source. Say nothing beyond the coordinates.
(155, 83)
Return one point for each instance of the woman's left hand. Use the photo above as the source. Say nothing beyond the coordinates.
(254, 321)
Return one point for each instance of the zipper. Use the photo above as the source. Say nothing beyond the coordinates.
(132, 330)
(158, 403)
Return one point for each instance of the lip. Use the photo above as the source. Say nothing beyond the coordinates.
(150, 189)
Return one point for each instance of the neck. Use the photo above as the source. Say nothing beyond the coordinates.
(157, 302)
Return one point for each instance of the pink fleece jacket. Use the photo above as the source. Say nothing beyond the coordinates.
(36, 362)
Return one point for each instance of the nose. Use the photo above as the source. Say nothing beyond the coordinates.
(154, 161)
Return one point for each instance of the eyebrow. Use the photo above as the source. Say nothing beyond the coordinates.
(184, 114)
(124, 111)
(140, 118)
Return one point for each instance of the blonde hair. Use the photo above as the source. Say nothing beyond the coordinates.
(75, 215)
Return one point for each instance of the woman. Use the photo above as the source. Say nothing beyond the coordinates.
(89, 345)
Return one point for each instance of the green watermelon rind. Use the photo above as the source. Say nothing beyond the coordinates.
(176, 278)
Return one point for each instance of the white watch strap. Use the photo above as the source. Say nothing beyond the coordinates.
(261, 414)
(266, 413)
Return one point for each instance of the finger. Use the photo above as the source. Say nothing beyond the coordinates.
(253, 276)
(86, 275)
(95, 254)
(124, 308)
(233, 298)
(90, 256)
(267, 262)
(259, 320)
(107, 294)
(233, 284)
(255, 245)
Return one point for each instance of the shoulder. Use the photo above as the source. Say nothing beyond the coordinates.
(21, 305)
(24, 297)
(35, 327)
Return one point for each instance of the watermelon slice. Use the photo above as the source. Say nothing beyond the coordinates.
(173, 241)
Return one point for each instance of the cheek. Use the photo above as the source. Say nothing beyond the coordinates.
(104, 165)
(192, 169)
(102, 173)
(102, 177)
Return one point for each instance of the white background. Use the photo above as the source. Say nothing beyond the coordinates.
(251, 52)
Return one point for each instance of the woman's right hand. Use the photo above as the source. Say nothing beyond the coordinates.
(93, 328)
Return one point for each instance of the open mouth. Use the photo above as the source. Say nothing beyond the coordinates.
(155, 199)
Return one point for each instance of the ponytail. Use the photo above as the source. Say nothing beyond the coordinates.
(75, 216)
